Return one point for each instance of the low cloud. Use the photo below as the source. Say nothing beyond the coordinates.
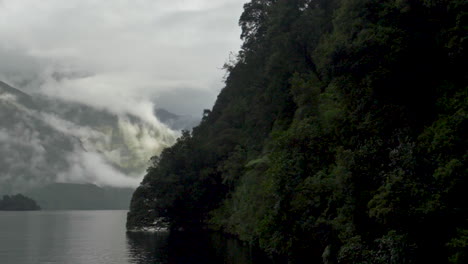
(126, 144)
(69, 128)
(40, 147)
(8, 98)
(90, 167)
(127, 51)
(22, 151)
(126, 57)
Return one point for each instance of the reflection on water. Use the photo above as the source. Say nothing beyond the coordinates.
(193, 248)
(75, 237)
(147, 247)
(88, 237)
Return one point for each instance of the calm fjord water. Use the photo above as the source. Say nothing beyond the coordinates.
(88, 237)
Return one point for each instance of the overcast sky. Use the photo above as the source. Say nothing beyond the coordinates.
(115, 54)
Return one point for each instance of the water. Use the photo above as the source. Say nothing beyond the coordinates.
(88, 237)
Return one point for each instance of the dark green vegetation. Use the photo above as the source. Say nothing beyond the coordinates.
(191, 247)
(18, 202)
(340, 136)
(67, 196)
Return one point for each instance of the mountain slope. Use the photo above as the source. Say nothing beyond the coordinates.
(32, 152)
(339, 137)
(176, 122)
(44, 140)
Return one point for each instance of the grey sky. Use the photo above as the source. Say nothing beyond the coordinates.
(120, 53)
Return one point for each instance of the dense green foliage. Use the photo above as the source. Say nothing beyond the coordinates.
(18, 202)
(340, 136)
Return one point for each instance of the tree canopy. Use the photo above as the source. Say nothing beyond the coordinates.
(340, 136)
(18, 202)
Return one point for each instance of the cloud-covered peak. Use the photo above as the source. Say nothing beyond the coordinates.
(129, 49)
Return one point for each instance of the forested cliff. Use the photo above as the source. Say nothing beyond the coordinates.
(340, 136)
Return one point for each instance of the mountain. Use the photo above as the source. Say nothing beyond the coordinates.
(44, 140)
(67, 196)
(340, 137)
(176, 122)
(32, 151)
(126, 141)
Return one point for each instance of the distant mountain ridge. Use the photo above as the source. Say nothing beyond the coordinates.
(69, 196)
(176, 122)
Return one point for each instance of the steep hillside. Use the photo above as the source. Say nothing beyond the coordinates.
(340, 137)
(44, 140)
(32, 152)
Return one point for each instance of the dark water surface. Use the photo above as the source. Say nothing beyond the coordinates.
(88, 237)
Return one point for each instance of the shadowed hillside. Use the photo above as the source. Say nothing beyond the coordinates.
(340, 136)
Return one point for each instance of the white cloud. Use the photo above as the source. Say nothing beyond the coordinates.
(137, 141)
(8, 98)
(135, 48)
(90, 167)
(69, 128)
(121, 56)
